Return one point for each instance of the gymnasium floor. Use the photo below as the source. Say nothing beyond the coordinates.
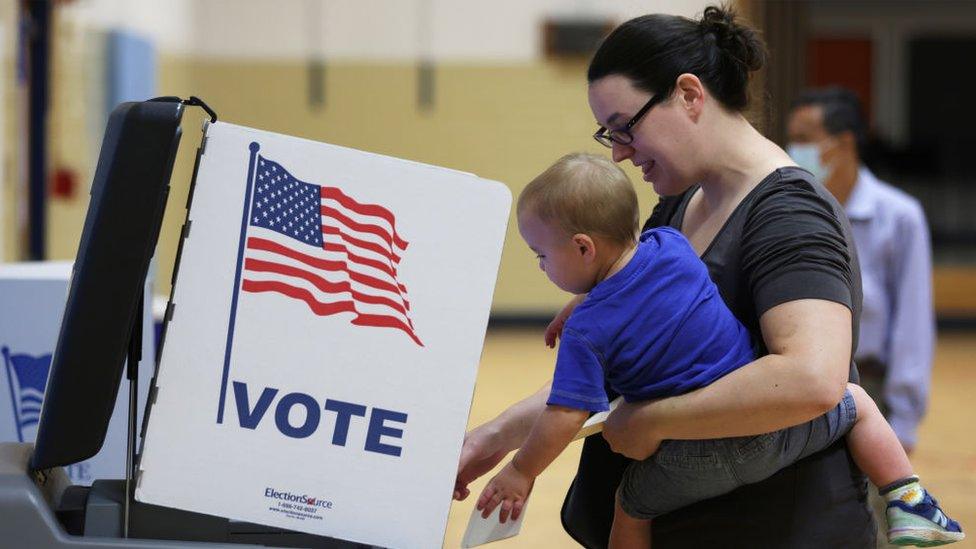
(516, 362)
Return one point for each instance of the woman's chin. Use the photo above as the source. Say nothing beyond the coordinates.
(661, 188)
(667, 191)
(665, 187)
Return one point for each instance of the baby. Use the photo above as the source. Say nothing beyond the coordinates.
(651, 325)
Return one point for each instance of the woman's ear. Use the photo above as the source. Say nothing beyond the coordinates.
(690, 94)
(585, 245)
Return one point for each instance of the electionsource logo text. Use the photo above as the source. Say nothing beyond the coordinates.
(303, 499)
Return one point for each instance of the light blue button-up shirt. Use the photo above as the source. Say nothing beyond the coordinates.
(897, 319)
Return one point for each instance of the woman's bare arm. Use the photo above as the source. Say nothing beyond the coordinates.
(803, 376)
(511, 427)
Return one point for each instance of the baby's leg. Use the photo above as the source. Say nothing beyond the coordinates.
(914, 517)
(874, 445)
(627, 531)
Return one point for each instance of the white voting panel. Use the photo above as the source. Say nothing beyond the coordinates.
(330, 312)
(33, 296)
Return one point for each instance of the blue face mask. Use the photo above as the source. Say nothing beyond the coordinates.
(807, 156)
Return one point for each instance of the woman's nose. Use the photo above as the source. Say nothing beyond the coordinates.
(621, 152)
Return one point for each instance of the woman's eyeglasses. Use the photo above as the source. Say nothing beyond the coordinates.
(622, 135)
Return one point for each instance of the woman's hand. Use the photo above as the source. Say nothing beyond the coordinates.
(555, 328)
(629, 433)
(479, 454)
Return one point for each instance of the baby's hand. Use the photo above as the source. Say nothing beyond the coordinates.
(555, 328)
(510, 488)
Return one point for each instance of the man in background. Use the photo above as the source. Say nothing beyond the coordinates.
(897, 330)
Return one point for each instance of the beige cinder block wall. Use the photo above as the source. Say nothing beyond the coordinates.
(9, 113)
(504, 122)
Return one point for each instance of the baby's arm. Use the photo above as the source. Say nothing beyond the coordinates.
(553, 431)
(555, 328)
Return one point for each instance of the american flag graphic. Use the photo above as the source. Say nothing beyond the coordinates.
(318, 245)
(27, 377)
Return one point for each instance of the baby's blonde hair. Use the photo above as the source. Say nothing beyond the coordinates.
(584, 193)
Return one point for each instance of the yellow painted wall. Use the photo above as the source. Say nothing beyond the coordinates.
(9, 113)
(506, 122)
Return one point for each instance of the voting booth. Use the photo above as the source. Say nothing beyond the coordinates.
(318, 356)
(325, 331)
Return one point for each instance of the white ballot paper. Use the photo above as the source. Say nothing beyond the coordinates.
(327, 320)
(486, 530)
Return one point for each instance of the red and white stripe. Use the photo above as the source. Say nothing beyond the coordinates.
(355, 271)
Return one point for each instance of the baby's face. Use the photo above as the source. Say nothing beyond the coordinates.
(559, 256)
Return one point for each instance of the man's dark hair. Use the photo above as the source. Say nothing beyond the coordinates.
(841, 111)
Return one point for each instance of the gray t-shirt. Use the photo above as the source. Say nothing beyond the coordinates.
(788, 239)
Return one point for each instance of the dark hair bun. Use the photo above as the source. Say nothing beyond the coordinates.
(741, 42)
(654, 50)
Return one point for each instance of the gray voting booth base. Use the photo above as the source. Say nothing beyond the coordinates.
(28, 519)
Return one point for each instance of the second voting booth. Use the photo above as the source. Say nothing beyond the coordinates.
(319, 350)
(33, 296)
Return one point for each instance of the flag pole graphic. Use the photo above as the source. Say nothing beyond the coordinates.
(13, 396)
(254, 147)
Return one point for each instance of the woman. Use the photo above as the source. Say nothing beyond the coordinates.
(668, 94)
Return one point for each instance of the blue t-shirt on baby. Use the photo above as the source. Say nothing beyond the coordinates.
(656, 328)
